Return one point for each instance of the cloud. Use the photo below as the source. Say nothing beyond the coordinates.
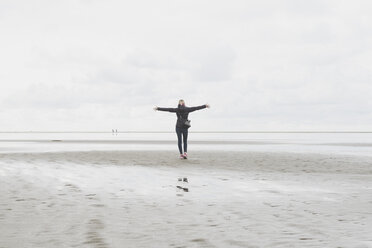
(260, 64)
(44, 96)
(214, 64)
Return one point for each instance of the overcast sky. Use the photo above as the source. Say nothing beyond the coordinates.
(261, 65)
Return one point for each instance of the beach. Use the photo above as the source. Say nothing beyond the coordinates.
(185, 124)
(232, 199)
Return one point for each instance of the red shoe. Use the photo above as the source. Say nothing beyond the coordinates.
(181, 156)
(185, 155)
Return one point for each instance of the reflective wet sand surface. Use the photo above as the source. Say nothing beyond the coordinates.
(233, 199)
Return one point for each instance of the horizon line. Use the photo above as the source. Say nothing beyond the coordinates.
(200, 131)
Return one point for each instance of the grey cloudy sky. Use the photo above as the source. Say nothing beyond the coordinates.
(262, 65)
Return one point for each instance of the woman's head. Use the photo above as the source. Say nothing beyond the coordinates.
(181, 102)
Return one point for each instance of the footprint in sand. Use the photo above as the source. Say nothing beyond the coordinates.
(98, 205)
(271, 205)
(73, 187)
(91, 197)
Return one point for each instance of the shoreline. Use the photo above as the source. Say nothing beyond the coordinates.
(205, 158)
(198, 142)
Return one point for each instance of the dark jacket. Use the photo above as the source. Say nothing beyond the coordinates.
(182, 113)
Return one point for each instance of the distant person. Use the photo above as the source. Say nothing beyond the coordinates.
(183, 123)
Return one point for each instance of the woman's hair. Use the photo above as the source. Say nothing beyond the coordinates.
(181, 103)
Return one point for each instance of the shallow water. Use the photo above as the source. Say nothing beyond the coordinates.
(328, 143)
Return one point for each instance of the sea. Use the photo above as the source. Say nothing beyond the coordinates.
(348, 143)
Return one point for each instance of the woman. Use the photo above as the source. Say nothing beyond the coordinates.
(181, 128)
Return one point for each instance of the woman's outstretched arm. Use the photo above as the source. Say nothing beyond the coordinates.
(166, 109)
(192, 109)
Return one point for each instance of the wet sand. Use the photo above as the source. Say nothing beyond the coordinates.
(233, 199)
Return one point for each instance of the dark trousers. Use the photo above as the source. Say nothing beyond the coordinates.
(182, 132)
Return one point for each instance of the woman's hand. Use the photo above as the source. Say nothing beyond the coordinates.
(156, 108)
(207, 105)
